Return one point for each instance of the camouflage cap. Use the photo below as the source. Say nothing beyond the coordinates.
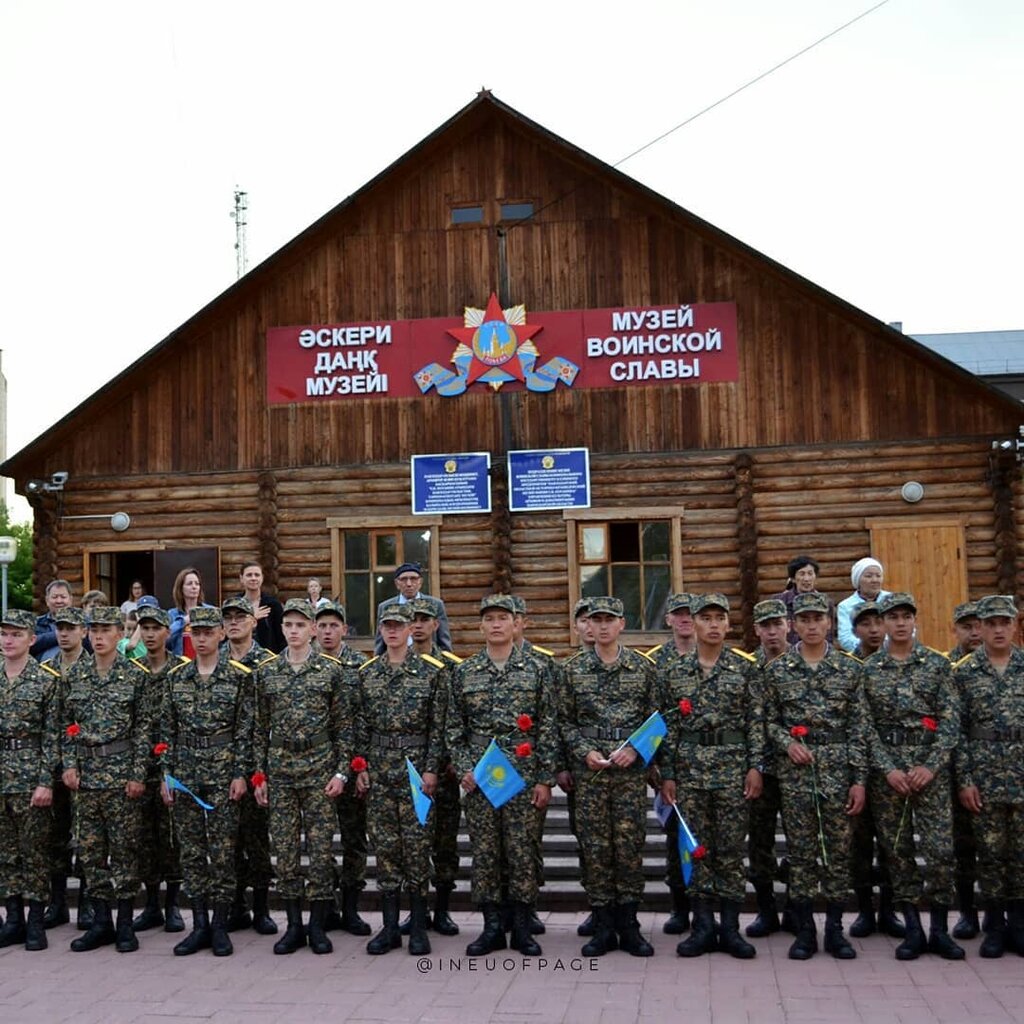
(68, 616)
(897, 599)
(241, 604)
(699, 602)
(300, 605)
(19, 619)
(396, 612)
(581, 608)
(520, 604)
(205, 618)
(152, 613)
(331, 608)
(865, 608)
(995, 605)
(105, 615)
(812, 602)
(607, 606)
(773, 608)
(425, 606)
(967, 610)
(501, 601)
(678, 602)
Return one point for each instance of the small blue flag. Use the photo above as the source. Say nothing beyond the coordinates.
(420, 801)
(173, 784)
(646, 740)
(497, 779)
(687, 844)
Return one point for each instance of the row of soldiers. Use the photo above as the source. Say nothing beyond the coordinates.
(238, 742)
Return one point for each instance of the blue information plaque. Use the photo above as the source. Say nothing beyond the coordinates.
(546, 479)
(450, 484)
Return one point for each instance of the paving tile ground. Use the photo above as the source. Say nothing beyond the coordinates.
(256, 987)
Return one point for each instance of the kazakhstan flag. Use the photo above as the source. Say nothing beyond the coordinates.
(420, 801)
(497, 779)
(687, 844)
(646, 740)
(174, 784)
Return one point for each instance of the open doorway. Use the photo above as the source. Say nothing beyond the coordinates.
(112, 570)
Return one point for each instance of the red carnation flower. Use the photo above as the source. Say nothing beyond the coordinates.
(930, 724)
(359, 764)
(258, 779)
(524, 750)
(160, 748)
(685, 707)
(700, 853)
(798, 731)
(73, 730)
(524, 722)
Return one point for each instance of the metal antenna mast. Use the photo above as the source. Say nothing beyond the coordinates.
(241, 222)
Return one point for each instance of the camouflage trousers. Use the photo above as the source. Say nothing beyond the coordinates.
(401, 844)
(763, 825)
(60, 830)
(159, 852)
(929, 815)
(294, 812)
(862, 853)
(447, 812)
(611, 814)
(570, 805)
(252, 851)
(818, 849)
(999, 832)
(508, 831)
(24, 861)
(352, 827)
(208, 840)
(718, 821)
(106, 832)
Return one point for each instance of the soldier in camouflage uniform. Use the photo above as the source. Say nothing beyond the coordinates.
(252, 850)
(399, 714)
(105, 750)
(814, 708)
(990, 770)
(331, 630)
(159, 853)
(914, 724)
(206, 721)
(711, 761)
(606, 695)
(492, 695)
(29, 756)
(303, 728)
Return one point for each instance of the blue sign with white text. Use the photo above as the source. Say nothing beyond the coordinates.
(450, 484)
(547, 479)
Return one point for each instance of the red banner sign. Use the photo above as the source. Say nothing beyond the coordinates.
(496, 348)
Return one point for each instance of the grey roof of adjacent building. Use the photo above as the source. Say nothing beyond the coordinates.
(984, 353)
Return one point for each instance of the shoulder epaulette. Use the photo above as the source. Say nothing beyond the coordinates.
(331, 657)
(53, 672)
(645, 656)
(966, 657)
(179, 667)
(139, 664)
(941, 654)
(454, 658)
(183, 659)
(654, 650)
(267, 660)
(743, 654)
(543, 650)
(431, 660)
(369, 662)
(573, 657)
(238, 664)
(852, 657)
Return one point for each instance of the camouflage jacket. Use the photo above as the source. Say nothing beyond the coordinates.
(990, 754)
(723, 737)
(829, 702)
(29, 719)
(485, 701)
(111, 712)
(303, 721)
(602, 704)
(207, 724)
(156, 687)
(399, 713)
(899, 696)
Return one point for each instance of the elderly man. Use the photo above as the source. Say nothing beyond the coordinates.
(408, 578)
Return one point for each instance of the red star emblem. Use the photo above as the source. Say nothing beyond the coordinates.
(494, 343)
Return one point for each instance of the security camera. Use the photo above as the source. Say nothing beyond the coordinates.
(34, 486)
(59, 479)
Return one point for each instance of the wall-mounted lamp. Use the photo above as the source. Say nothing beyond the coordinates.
(119, 521)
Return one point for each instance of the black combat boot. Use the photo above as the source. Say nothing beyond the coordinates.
(57, 912)
(332, 923)
(100, 932)
(913, 944)
(767, 920)
(1015, 927)
(172, 915)
(729, 939)
(86, 911)
(994, 926)
(604, 939)
(152, 916)
(679, 920)
(586, 927)
(294, 935)
(220, 941)
(389, 937)
(864, 923)
(239, 916)
(35, 928)
(419, 942)
(318, 940)
(702, 938)
(888, 920)
(537, 926)
(262, 922)
(199, 938)
(443, 923)
(351, 922)
(805, 945)
(939, 940)
(631, 941)
(522, 936)
(967, 926)
(13, 931)
(125, 940)
(493, 936)
(836, 942)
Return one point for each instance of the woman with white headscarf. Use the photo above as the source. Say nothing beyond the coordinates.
(866, 576)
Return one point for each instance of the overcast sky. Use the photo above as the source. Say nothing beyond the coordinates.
(885, 164)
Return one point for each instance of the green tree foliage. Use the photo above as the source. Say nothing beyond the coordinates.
(19, 573)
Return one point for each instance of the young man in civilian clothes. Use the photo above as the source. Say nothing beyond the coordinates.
(331, 630)
(914, 724)
(711, 763)
(990, 770)
(399, 713)
(29, 756)
(106, 707)
(252, 850)
(490, 693)
(815, 717)
(303, 728)
(159, 850)
(206, 720)
(606, 695)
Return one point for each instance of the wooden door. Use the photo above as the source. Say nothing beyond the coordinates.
(928, 558)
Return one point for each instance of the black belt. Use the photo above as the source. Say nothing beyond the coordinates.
(103, 749)
(479, 737)
(206, 741)
(819, 737)
(713, 737)
(32, 742)
(298, 746)
(899, 737)
(1014, 734)
(392, 741)
(594, 732)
